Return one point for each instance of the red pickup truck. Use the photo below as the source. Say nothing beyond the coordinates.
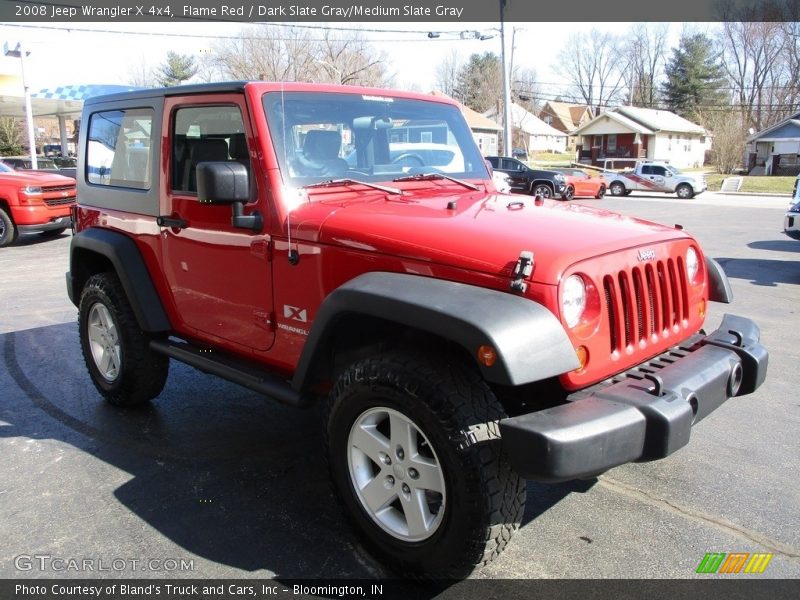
(34, 201)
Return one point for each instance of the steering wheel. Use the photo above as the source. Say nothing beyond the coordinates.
(409, 158)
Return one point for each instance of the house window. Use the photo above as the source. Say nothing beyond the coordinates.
(548, 119)
(426, 137)
(612, 142)
(598, 141)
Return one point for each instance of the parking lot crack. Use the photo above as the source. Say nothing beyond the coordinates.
(754, 537)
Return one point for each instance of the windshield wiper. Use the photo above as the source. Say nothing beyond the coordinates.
(430, 176)
(333, 182)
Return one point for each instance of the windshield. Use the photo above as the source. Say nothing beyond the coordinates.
(323, 136)
(674, 170)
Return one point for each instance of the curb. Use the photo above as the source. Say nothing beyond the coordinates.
(770, 194)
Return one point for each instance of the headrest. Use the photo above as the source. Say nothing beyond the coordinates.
(209, 149)
(322, 144)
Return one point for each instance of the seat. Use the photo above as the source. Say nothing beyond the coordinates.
(320, 154)
(204, 150)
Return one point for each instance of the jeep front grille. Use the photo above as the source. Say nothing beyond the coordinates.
(642, 302)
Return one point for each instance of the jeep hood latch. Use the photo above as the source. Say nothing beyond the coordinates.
(522, 270)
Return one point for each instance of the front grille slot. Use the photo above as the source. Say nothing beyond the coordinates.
(645, 301)
(59, 201)
(58, 188)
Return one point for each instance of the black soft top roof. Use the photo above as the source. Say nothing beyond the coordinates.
(178, 90)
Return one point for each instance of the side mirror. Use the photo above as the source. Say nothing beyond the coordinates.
(222, 182)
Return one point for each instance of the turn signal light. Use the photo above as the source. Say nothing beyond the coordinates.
(487, 356)
(583, 357)
(701, 309)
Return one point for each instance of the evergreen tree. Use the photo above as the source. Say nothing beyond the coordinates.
(479, 82)
(695, 79)
(176, 69)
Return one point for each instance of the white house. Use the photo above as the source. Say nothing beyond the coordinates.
(536, 135)
(632, 132)
(775, 150)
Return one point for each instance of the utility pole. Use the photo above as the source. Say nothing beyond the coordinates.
(507, 141)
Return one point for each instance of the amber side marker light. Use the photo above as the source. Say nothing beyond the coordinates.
(487, 356)
(583, 357)
(701, 309)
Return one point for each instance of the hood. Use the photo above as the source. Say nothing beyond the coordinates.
(35, 178)
(485, 232)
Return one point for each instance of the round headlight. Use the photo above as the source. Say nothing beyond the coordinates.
(692, 264)
(573, 300)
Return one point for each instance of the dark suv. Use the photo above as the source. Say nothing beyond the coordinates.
(537, 182)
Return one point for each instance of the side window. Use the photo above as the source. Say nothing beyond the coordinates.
(647, 170)
(659, 171)
(118, 148)
(203, 134)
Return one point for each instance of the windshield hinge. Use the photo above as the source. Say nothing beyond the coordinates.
(522, 270)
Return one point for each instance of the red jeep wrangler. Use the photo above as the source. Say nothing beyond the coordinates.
(315, 242)
(34, 201)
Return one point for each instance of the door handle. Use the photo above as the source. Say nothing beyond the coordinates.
(172, 222)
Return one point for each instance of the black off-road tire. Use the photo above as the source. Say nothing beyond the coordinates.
(458, 415)
(8, 231)
(142, 373)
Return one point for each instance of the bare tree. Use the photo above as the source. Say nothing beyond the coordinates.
(350, 60)
(291, 54)
(447, 74)
(644, 53)
(752, 56)
(591, 63)
(142, 74)
(729, 134)
(525, 89)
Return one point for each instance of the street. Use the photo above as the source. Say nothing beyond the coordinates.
(213, 481)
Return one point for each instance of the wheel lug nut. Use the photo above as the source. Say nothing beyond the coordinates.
(406, 489)
(413, 473)
(400, 453)
(390, 480)
(385, 459)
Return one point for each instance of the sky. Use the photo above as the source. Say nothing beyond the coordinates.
(63, 56)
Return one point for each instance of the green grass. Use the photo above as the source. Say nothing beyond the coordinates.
(552, 157)
(765, 184)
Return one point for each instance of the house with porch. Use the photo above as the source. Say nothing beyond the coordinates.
(776, 149)
(565, 117)
(641, 133)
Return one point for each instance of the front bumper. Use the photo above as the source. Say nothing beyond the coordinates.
(644, 414)
(54, 223)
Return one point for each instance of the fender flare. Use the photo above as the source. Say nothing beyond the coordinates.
(530, 342)
(128, 263)
(719, 288)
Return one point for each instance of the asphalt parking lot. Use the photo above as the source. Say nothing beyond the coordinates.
(213, 477)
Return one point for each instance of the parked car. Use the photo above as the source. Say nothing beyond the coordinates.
(31, 201)
(502, 182)
(581, 184)
(520, 153)
(791, 222)
(525, 180)
(24, 163)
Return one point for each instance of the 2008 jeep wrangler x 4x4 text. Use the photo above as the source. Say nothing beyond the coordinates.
(289, 238)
